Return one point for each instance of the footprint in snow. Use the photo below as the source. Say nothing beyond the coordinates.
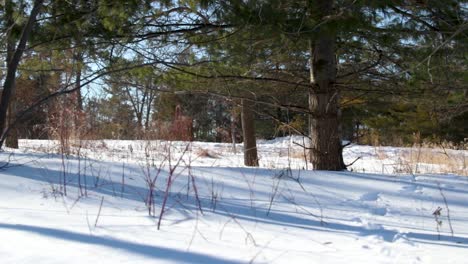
(373, 197)
(401, 238)
(447, 186)
(380, 211)
(411, 188)
(369, 197)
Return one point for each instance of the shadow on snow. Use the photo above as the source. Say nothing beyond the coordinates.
(131, 247)
(229, 209)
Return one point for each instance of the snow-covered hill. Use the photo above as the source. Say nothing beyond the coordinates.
(218, 211)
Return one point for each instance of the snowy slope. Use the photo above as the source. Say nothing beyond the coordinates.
(278, 213)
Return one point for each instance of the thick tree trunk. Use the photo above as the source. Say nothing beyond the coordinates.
(9, 84)
(325, 145)
(248, 131)
(12, 139)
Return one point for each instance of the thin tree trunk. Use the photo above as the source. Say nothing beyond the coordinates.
(233, 130)
(79, 97)
(9, 84)
(149, 105)
(78, 117)
(325, 145)
(248, 131)
(218, 124)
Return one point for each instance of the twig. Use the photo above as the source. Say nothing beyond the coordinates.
(436, 215)
(6, 164)
(123, 180)
(233, 218)
(302, 146)
(275, 191)
(446, 207)
(99, 212)
(170, 178)
(351, 164)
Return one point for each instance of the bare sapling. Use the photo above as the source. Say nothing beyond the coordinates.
(449, 220)
(79, 156)
(79, 131)
(122, 182)
(155, 163)
(250, 185)
(437, 215)
(232, 218)
(274, 189)
(84, 178)
(95, 173)
(99, 212)
(170, 178)
(215, 195)
(305, 151)
(191, 178)
(319, 205)
(60, 128)
(6, 164)
(151, 174)
(64, 136)
(418, 145)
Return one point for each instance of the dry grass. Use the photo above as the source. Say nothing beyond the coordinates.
(445, 161)
(297, 154)
(206, 153)
(380, 153)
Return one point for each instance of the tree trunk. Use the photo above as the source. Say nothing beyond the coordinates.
(140, 128)
(248, 131)
(9, 83)
(233, 130)
(79, 97)
(78, 111)
(325, 144)
(12, 139)
(149, 106)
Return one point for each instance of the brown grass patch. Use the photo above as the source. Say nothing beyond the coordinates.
(449, 161)
(206, 153)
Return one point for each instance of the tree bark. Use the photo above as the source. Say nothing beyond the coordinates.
(79, 97)
(234, 117)
(12, 139)
(325, 144)
(78, 111)
(149, 106)
(248, 131)
(9, 84)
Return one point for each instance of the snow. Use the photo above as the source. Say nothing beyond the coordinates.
(281, 212)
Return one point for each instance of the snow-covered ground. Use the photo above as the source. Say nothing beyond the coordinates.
(282, 212)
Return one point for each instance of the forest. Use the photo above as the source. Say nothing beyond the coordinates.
(369, 72)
